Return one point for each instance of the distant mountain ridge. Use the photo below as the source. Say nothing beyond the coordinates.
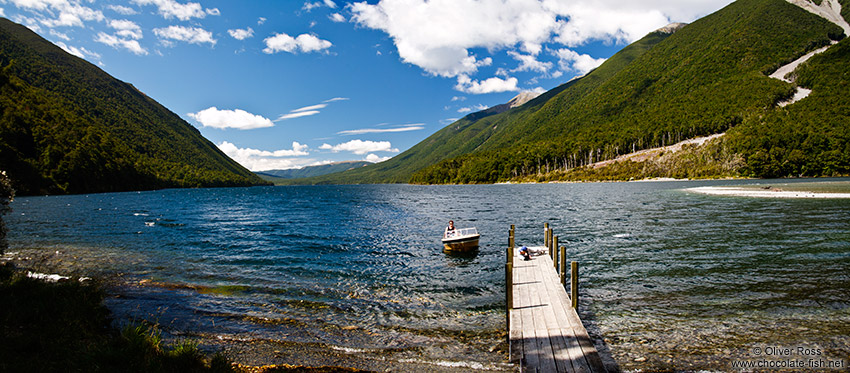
(311, 171)
(66, 126)
(677, 83)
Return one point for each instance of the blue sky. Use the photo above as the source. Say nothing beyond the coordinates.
(280, 84)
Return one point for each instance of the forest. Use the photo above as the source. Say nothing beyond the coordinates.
(68, 127)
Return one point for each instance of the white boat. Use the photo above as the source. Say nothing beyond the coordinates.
(461, 240)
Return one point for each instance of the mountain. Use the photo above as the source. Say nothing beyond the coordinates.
(66, 126)
(311, 171)
(677, 83)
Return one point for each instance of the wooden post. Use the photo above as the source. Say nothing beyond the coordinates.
(546, 234)
(574, 284)
(563, 266)
(509, 297)
(555, 253)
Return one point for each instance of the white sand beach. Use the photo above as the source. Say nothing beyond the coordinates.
(764, 193)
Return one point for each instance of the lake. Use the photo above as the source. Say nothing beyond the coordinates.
(355, 275)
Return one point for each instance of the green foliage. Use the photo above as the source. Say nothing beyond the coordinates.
(64, 327)
(810, 137)
(7, 194)
(68, 127)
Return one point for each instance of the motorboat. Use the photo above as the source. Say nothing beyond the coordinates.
(461, 240)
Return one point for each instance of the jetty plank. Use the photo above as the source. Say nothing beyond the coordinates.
(546, 332)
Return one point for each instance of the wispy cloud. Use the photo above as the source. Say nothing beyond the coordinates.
(404, 128)
(184, 12)
(336, 99)
(294, 114)
(468, 109)
(360, 147)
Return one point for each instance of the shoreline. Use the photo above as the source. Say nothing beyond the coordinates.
(766, 193)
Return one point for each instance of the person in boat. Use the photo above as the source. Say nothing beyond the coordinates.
(526, 255)
(450, 230)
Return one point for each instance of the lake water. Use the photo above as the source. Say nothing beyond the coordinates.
(355, 275)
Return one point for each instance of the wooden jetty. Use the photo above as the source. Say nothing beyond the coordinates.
(546, 334)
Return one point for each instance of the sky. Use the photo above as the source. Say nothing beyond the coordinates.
(280, 84)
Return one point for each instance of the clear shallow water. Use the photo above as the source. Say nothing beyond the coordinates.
(355, 275)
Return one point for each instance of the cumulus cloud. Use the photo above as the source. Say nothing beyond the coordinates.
(581, 63)
(79, 52)
(239, 119)
(116, 42)
(192, 35)
(360, 147)
(57, 13)
(308, 6)
(304, 43)
(126, 29)
(438, 35)
(375, 158)
(529, 62)
(404, 128)
(336, 17)
(491, 85)
(468, 109)
(262, 160)
(120, 9)
(241, 34)
(184, 12)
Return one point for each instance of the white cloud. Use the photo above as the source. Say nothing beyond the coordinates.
(79, 52)
(2, 12)
(116, 42)
(468, 109)
(299, 114)
(437, 35)
(492, 85)
(360, 147)
(405, 128)
(120, 9)
(304, 43)
(193, 35)
(57, 34)
(260, 160)
(126, 29)
(376, 159)
(184, 12)
(310, 108)
(261, 20)
(69, 13)
(336, 99)
(308, 6)
(239, 119)
(241, 34)
(336, 17)
(581, 63)
(529, 62)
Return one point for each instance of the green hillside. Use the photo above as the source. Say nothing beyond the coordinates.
(709, 77)
(483, 130)
(68, 127)
(310, 171)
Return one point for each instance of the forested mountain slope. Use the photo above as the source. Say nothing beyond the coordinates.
(708, 77)
(485, 129)
(68, 127)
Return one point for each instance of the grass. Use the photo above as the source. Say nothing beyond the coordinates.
(64, 326)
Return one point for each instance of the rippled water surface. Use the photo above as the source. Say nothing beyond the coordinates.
(355, 275)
